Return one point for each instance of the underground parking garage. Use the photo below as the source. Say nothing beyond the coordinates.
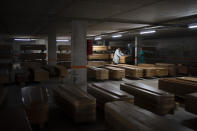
(98, 65)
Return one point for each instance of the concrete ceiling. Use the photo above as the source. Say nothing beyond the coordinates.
(35, 17)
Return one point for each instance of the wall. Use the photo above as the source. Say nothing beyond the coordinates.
(173, 50)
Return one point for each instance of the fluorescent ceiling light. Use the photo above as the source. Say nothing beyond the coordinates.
(116, 36)
(147, 32)
(62, 40)
(24, 39)
(98, 38)
(192, 26)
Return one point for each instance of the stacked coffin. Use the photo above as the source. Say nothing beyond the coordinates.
(77, 104)
(35, 100)
(115, 73)
(187, 69)
(98, 73)
(179, 86)
(62, 70)
(131, 72)
(64, 47)
(33, 47)
(125, 59)
(39, 74)
(53, 72)
(63, 57)
(33, 53)
(33, 56)
(97, 63)
(172, 71)
(123, 116)
(100, 48)
(107, 93)
(191, 103)
(98, 57)
(148, 71)
(159, 71)
(150, 98)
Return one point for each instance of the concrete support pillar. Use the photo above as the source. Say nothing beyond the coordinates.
(137, 45)
(52, 55)
(79, 53)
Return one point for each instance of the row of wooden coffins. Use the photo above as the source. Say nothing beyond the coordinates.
(132, 106)
(33, 72)
(121, 70)
(35, 109)
(131, 71)
(137, 104)
(184, 88)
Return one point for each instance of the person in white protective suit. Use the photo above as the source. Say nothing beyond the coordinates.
(117, 56)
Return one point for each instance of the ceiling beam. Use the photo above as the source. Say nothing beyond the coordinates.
(180, 19)
(106, 20)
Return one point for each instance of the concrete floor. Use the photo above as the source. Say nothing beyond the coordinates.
(60, 122)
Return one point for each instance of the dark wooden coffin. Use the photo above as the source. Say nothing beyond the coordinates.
(107, 93)
(77, 104)
(150, 98)
(123, 116)
(35, 100)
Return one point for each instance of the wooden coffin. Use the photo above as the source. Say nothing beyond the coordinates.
(62, 70)
(33, 56)
(150, 98)
(33, 47)
(191, 103)
(172, 71)
(183, 69)
(146, 65)
(63, 57)
(115, 73)
(178, 86)
(190, 79)
(100, 48)
(123, 116)
(66, 64)
(35, 100)
(125, 59)
(14, 119)
(3, 96)
(52, 70)
(159, 71)
(97, 63)
(98, 57)
(77, 104)
(98, 73)
(64, 47)
(131, 72)
(148, 71)
(107, 93)
(39, 74)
